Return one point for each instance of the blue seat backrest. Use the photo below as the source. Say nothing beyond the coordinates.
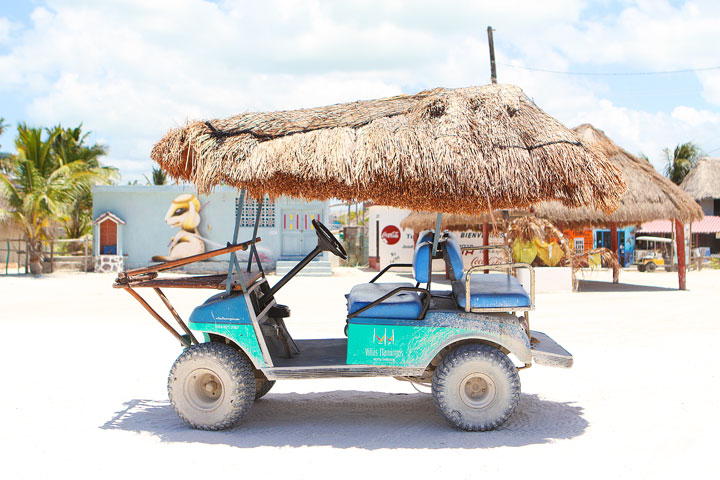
(452, 254)
(421, 262)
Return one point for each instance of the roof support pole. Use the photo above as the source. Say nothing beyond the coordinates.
(614, 248)
(680, 247)
(436, 237)
(233, 259)
(486, 242)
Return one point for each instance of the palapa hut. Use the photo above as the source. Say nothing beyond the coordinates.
(449, 150)
(702, 183)
(649, 196)
(419, 221)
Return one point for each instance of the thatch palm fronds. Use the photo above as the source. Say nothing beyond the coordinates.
(419, 221)
(649, 195)
(465, 150)
(528, 228)
(703, 180)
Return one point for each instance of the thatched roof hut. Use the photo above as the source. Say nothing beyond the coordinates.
(419, 221)
(649, 195)
(462, 150)
(703, 180)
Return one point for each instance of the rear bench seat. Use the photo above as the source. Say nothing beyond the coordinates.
(402, 305)
(493, 290)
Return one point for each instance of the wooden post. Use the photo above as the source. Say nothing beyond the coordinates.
(486, 241)
(614, 248)
(680, 247)
(86, 254)
(493, 72)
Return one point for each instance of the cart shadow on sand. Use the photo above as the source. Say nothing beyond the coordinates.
(355, 419)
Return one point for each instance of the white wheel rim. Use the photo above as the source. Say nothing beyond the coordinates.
(203, 389)
(477, 390)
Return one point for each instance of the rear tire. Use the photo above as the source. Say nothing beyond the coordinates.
(476, 387)
(641, 268)
(211, 386)
(262, 387)
(650, 267)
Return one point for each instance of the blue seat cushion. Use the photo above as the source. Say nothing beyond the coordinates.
(401, 305)
(494, 290)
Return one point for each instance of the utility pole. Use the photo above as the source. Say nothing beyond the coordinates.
(493, 72)
(493, 79)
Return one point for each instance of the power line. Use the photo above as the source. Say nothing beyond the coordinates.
(612, 74)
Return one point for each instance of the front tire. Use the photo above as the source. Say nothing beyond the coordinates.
(476, 387)
(650, 267)
(262, 387)
(211, 386)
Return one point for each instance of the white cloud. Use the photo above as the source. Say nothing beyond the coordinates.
(131, 69)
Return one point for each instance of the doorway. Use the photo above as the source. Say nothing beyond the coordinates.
(298, 233)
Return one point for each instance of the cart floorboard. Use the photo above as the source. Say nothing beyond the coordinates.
(327, 358)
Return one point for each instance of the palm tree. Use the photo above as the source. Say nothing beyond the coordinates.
(681, 161)
(69, 147)
(159, 177)
(38, 187)
(4, 157)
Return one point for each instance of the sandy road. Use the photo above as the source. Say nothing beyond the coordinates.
(83, 392)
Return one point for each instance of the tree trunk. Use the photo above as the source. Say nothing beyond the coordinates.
(36, 257)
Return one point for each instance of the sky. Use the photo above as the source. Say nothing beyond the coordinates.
(129, 70)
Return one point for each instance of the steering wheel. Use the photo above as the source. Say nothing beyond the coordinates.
(327, 241)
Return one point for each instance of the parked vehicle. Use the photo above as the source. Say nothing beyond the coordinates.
(237, 345)
(650, 253)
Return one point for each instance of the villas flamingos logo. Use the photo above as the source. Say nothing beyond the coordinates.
(384, 340)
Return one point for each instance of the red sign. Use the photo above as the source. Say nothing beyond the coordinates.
(390, 235)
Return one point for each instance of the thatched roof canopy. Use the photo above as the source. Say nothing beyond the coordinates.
(458, 151)
(649, 195)
(419, 221)
(703, 180)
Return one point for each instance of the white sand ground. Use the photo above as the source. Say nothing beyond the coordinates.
(84, 373)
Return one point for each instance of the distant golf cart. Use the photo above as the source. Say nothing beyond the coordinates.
(449, 150)
(650, 253)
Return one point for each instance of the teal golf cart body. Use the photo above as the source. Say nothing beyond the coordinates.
(237, 343)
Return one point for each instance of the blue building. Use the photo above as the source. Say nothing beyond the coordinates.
(626, 242)
(174, 221)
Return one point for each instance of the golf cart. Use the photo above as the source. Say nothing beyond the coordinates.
(653, 253)
(237, 344)
(443, 150)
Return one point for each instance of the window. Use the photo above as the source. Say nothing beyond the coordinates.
(579, 244)
(249, 210)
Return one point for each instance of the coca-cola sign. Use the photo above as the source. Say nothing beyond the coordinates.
(390, 235)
